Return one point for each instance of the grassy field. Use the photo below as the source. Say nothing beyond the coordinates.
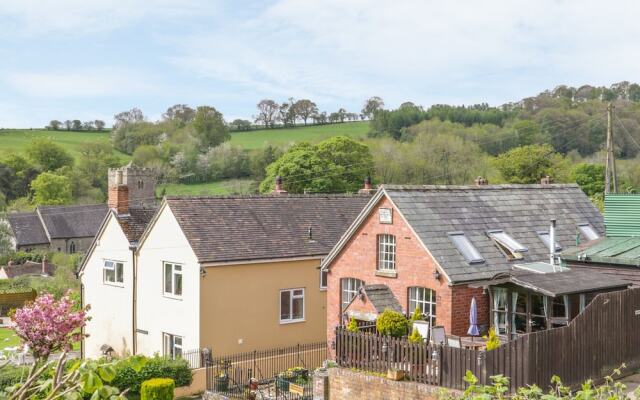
(232, 186)
(15, 140)
(8, 338)
(261, 138)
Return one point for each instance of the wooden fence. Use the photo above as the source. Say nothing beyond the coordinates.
(603, 337)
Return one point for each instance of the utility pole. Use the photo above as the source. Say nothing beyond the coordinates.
(610, 176)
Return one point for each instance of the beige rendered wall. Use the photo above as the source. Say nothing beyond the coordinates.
(240, 306)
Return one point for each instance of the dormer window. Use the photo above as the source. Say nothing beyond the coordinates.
(588, 232)
(466, 248)
(544, 236)
(508, 245)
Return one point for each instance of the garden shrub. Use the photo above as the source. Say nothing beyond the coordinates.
(156, 367)
(493, 342)
(417, 315)
(415, 336)
(392, 323)
(157, 389)
(10, 375)
(353, 326)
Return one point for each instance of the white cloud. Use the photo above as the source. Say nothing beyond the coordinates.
(87, 83)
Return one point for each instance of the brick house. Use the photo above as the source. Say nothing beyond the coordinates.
(428, 246)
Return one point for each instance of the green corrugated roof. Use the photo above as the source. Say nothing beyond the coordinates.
(610, 250)
(622, 215)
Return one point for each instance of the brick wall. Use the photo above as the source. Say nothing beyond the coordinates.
(414, 266)
(347, 384)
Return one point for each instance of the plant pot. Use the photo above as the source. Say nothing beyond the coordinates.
(395, 375)
(221, 383)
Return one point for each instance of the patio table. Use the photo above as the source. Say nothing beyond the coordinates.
(475, 343)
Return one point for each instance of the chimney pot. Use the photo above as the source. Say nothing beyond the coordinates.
(480, 181)
(368, 187)
(279, 189)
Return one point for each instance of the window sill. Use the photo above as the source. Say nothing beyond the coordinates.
(114, 284)
(387, 274)
(172, 297)
(291, 321)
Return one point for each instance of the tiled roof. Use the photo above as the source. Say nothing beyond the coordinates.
(73, 221)
(237, 228)
(382, 298)
(134, 223)
(27, 229)
(519, 210)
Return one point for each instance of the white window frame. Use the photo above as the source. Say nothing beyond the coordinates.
(324, 278)
(174, 273)
(425, 298)
(170, 347)
(112, 265)
(466, 249)
(386, 252)
(545, 236)
(588, 231)
(347, 293)
(292, 297)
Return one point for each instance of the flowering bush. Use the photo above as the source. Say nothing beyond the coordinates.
(47, 325)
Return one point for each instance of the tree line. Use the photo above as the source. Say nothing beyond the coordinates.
(76, 125)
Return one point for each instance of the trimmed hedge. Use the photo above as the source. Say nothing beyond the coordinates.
(392, 323)
(157, 389)
(156, 367)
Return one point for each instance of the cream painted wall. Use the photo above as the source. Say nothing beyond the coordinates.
(157, 313)
(240, 306)
(111, 310)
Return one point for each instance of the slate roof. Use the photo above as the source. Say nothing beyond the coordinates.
(609, 250)
(519, 210)
(565, 282)
(134, 223)
(237, 228)
(27, 229)
(28, 268)
(73, 221)
(382, 298)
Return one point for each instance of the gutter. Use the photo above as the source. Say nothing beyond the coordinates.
(134, 302)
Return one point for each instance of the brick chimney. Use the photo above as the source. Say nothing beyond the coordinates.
(368, 187)
(279, 189)
(547, 180)
(480, 181)
(119, 196)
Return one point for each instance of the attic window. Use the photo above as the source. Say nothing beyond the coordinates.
(588, 232)
(508, 245)
(544, 236)
(466, 248)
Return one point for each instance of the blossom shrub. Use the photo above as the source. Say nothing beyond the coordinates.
(47, 325)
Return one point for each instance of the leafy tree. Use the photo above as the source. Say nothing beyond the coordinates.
(19, 174)
(526, 164)
(287, 114)
(55, 125)
(305, 109)
(99, 124)
(127, 117)
(262, 158)
(68, 124)
(267, 112)
(51, 189)
(338, 164)
(94, 161)
(145, 154)
(392, 323)
(87, 125)
(590, 177)
(241, 125)
(209, 127)
(76, 125)
(126, 137)
(6, 236)
(48, 155)
(181, 113)
(372, 105)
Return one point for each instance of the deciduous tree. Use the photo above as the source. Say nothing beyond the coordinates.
(372, 105)
(267, 113)
(305, 109)
(51, 189)
(48, 155)
(209, 127)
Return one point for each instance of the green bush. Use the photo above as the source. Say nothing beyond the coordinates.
(415, 336)
(156, 367)
(392, 323)
(353, 326)
(10, 375)
(157, 389)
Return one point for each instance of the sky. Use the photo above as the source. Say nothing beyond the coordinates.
(80, 59)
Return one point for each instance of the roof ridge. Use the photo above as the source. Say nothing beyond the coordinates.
(271, 196)
(479, 187)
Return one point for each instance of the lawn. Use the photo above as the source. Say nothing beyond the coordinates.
(213, 188)
(15, 140)
(8, 338)
(258, 139)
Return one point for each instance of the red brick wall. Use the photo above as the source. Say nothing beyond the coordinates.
(414, 267)
(118, 198)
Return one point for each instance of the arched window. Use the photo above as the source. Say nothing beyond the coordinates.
(140, 184)
(425, 300)
(350, 287)
(72, 247)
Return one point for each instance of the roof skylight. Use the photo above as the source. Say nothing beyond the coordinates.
(588, 232)
(466, 248)
(544, 236)
(508, 245)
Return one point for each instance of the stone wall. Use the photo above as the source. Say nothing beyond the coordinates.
(348, 384)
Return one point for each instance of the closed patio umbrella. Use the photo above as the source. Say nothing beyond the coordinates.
(473, 319)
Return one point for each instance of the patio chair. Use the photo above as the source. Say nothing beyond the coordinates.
(454, 341)
(438, 335)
